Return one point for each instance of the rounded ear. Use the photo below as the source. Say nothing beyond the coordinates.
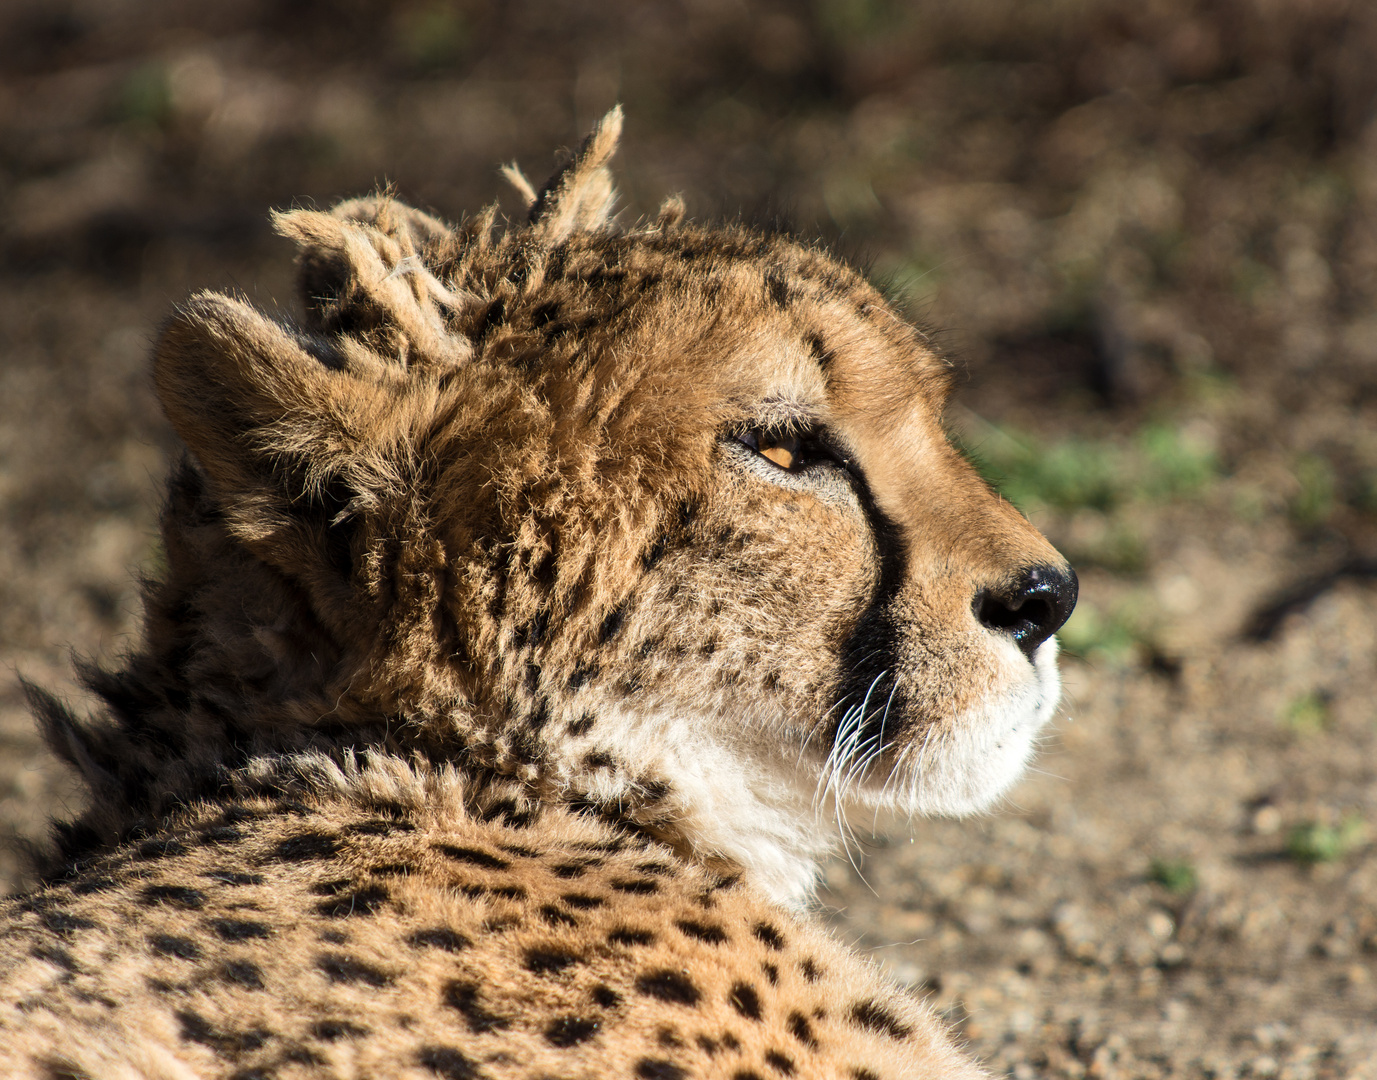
(293, 439)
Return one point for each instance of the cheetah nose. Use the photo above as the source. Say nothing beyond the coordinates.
(1030, 609)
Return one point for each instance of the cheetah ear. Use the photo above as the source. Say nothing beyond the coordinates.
(294, 438)
(581, 196)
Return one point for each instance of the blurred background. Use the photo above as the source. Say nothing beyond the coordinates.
(1145, 231)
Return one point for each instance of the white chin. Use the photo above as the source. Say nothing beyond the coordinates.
(969, 762)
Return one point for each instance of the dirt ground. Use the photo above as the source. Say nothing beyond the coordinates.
(1145, 232)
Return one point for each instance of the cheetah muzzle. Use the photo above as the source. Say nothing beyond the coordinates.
(534, 614)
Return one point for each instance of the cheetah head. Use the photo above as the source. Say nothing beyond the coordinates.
(659, 522)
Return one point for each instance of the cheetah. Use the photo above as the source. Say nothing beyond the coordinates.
(535, 613)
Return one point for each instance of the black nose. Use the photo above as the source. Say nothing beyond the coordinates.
(1031, 608)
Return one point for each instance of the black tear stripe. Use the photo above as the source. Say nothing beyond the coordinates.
(870, 656)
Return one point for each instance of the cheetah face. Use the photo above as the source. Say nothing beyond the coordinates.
(663, 523)
(842, 603)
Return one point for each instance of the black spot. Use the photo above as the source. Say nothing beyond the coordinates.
(769, 935)
(730, 1041)
(863, 1074)
(582, 672)
(668, 985)
(64, 922)
(509, 892)
(821, 353)
(60, 957)
(95, 885)
(611, 846)
(439, 937)
(571, 869)
(363, 901)
(639, 886)
(445, 1060)
(508, 812)
(307, 845)
(196, 1028)
(811, 972)
(746, 1074)
(779, 1062)
(626, 936)
(393, 869)
(875, 1017)
(243, 973)
(611, 624)
(253, 1074)
(473, 856)
(598, 759)
(549, 961)
(301, 1055)
(659, 1069)
(463, 996)
(332, 887)
(492, 316)
(346, 969)
(233, 877)
(582, 901)
(159, 849)
(222, 834)
(240, 929)
(334, 937)
(655, 552)
(520, 851)
(708, 932)
(802, 1030)
(379, 827)
(777, 288)
(654, 790)
(660, 868)
(606, 996)
(554, 917)
(571, 1030)
(172, 945)
(334, 1030)
(582, 725)
(745, 1000)
(543, 313)
(179, 895)
(707, 1045)
(771, 973)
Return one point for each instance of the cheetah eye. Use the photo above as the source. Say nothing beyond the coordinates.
(791, 451)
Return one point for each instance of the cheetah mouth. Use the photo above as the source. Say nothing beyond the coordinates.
(950, 767)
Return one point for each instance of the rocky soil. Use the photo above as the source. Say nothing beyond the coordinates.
(1145, 232)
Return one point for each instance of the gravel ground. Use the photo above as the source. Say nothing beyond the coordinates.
(1146, 233)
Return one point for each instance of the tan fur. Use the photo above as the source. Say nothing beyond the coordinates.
(498, 693)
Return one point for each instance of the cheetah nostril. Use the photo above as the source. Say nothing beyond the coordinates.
(1032, 608)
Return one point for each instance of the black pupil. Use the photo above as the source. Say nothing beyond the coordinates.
(800, 448)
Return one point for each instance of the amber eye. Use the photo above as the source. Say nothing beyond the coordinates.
(786, 450)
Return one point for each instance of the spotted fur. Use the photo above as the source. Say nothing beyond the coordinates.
(503, 691)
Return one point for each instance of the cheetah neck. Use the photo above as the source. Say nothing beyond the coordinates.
(717, 804)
